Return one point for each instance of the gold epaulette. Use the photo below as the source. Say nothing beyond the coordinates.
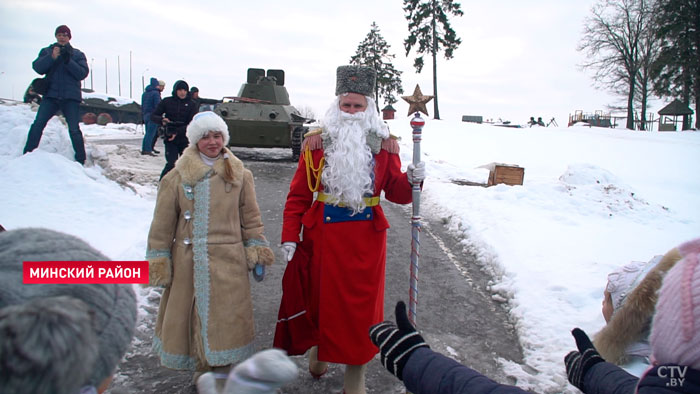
(396, 137)
(312, 140)
(391, 144)
(313, 132)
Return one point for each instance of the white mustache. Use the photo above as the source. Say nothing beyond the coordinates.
(356, 117)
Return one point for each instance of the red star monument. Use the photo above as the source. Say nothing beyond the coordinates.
(417, 102)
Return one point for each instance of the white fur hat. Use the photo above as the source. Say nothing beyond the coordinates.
(262, 373)
(204, 122)
(623, 280)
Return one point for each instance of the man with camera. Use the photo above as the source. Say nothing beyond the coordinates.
(64, 67)
(174, 113)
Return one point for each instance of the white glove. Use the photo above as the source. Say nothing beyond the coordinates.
(288, 249)
(416, 172)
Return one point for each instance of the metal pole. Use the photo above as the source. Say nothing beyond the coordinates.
(92, 87)
(130, 78)
(143, 83)
(106, 88)
(417, 124)
(119, 75)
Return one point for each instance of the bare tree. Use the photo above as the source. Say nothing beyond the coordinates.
(611, 40)
(306, 112)
(649, 47)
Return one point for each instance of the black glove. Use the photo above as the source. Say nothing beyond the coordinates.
(396, 343)
(578, 363)
(66, 52)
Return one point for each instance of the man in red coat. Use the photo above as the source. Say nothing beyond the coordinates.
(334, 232)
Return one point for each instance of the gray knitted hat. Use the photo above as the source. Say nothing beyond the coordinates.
(112, 308)
(355, 79)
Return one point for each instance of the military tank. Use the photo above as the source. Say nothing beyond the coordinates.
(261, 115)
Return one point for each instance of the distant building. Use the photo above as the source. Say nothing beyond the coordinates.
(472, 119)
(675, 109)
(388, 112)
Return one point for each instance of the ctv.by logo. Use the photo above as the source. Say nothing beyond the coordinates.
(674, 373)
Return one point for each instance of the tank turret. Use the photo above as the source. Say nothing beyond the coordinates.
(261, 116)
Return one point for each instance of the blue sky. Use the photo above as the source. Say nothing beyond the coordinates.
(516, 60)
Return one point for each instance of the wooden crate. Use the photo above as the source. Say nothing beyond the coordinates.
(505, 173)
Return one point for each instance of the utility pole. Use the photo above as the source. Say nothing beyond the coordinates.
(92, 61)
(143, 83)
(106, 88)
(119, 75)
(130, 78)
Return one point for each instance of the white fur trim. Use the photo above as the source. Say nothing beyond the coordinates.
(204, 122)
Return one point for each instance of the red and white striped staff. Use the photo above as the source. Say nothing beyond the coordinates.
(417, 104)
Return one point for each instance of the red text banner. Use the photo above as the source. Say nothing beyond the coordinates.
(35, 272)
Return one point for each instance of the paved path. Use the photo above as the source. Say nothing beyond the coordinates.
(455, 314)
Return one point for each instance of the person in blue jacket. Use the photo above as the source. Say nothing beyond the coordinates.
(406, 355)
(64, 67)
(149, 101)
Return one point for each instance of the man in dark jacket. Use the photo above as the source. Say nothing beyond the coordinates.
(64, 67)
(149, 102)
(176, 110)
(194, 96)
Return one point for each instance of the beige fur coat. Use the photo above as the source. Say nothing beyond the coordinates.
(206, 235)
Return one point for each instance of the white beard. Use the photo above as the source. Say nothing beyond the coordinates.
(347, 173)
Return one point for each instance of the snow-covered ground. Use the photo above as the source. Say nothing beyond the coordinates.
(592, 200)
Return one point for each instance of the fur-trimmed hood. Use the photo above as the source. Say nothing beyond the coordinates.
(192, 168)
(632, 321)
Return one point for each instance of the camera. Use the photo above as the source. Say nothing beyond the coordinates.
(63, 49)
(170, 129)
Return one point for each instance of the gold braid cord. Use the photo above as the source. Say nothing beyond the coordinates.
(309, 160)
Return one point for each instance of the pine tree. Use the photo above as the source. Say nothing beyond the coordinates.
(676, 72)
(430, 30)
(373, 52)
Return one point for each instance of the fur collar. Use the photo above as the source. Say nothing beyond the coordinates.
(632, 321)
(192, 169)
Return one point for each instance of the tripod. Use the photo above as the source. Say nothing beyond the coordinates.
(553, 122)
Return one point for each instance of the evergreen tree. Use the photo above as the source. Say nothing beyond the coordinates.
(373, 52)
(430, 30)
(676, 72)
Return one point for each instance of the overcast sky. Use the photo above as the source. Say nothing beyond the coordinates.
(517, 59)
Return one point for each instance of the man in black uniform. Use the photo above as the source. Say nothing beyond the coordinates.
(176, 110)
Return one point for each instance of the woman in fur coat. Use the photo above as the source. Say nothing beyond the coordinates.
(206, 235)
(628, 307)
